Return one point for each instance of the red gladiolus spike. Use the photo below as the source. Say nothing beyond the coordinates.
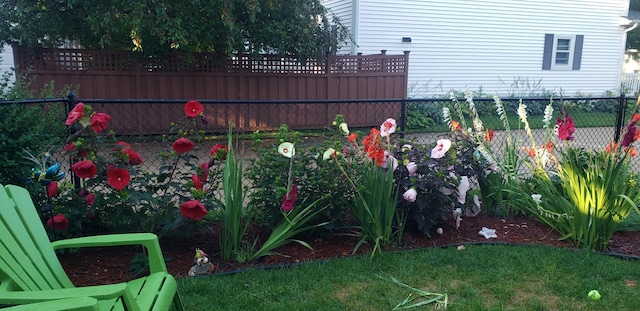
(530, 151)
(489, 135)
(289, 199)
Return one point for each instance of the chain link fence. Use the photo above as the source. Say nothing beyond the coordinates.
(144, 124)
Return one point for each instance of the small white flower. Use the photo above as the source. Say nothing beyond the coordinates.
(537, 198)
(522, 112)
(286, 149)
(328, 154)
(344, 128)
(548, 114)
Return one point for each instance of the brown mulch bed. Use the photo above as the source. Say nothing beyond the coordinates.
(91, 266)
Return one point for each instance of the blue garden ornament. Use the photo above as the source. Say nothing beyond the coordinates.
(44, 173)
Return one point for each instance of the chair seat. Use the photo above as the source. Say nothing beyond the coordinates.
(31, 273)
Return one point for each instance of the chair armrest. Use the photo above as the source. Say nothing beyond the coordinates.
(67, 304)
(148, 240)
(100, 292)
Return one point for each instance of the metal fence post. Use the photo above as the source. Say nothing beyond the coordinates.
(403, 116)
(622, 106)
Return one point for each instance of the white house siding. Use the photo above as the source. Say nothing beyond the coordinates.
(344, 10)
(6, 59)
(489, 44)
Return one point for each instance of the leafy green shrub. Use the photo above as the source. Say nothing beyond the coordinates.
(31, 127)
(115, 195)
(268, 174)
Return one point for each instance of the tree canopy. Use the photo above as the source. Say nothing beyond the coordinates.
(296, 27)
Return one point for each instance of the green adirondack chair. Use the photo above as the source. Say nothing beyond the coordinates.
(30, 271)
(69, 304)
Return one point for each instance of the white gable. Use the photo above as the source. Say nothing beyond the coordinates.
(491, 44)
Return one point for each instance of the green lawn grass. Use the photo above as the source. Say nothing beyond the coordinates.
(480, 277)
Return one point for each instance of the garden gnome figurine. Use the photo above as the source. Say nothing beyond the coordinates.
(202, 264)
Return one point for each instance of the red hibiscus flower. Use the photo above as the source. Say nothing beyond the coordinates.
(118, 178)
(99, 122)
(289, 199)
(219, 152)
(197, 183)
(90, 199)
(565, 128)
(58, 222)
(193, 108)
(193, 210)
(75, 114)
(182, 145)
(84, 169)
(134, 157)
(52, 189)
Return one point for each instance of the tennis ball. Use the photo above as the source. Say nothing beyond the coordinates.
(594, 294)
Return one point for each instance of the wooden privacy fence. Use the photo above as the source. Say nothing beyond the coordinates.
(107, 74)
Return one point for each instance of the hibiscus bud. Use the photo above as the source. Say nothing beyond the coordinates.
(412, 167)
(410, 195)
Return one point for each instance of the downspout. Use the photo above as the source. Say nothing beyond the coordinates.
(624, 49)
(355, 26)
(631, 28)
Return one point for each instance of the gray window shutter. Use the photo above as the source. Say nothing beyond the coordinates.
(577, 52)
(548, 51)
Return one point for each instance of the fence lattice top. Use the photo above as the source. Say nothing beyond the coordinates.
(109, 60)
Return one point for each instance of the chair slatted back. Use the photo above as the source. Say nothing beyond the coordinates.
(27, 260)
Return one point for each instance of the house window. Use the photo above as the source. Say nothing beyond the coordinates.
(562, 52)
